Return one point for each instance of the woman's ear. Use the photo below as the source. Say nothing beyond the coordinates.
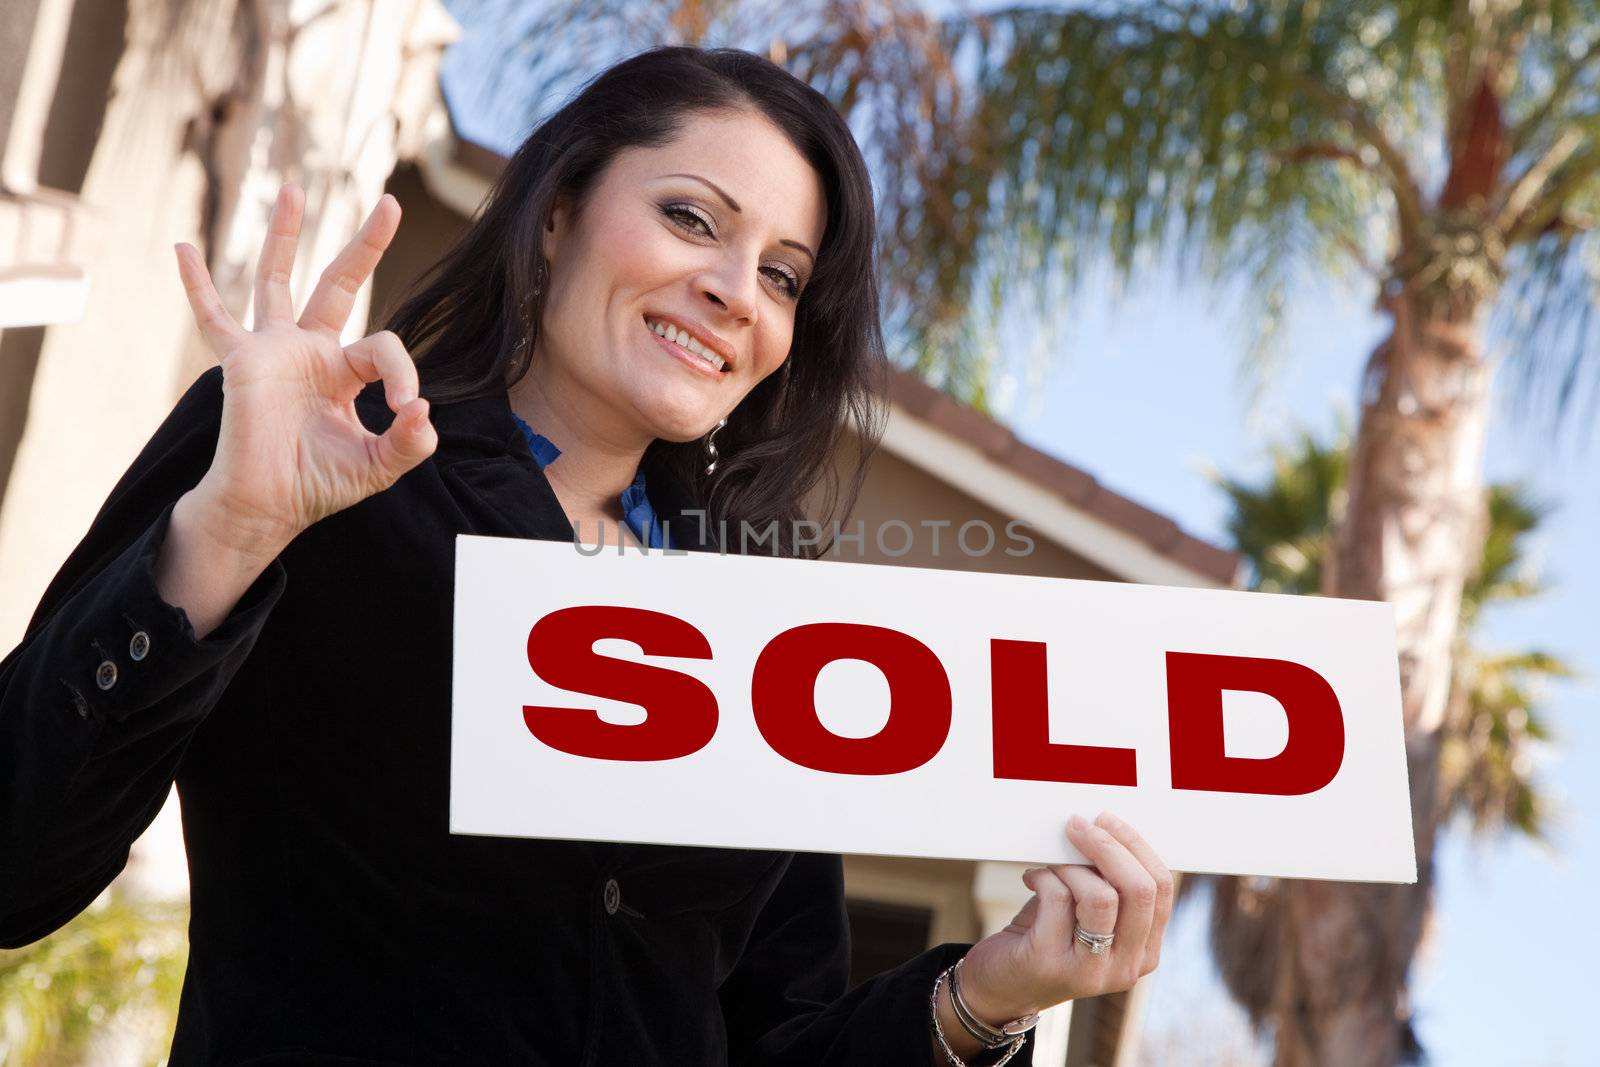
(555, 228)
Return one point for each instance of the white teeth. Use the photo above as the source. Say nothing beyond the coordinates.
(684, 340)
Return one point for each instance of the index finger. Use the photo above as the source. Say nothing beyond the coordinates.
(336, 289)
(216, 325)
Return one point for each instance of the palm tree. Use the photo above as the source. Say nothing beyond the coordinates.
(1284, 527)
(1445, 153)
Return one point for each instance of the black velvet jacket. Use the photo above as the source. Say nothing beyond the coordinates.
(335, 920)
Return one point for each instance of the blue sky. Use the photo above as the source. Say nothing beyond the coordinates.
(1144, 393)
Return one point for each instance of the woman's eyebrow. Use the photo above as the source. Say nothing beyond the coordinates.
(733, 205)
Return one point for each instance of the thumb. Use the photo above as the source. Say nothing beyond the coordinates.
(409, 440)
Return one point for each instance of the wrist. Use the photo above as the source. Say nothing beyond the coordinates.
(957, 1038)
(990, 1005)
(962, 1043)
(250, 546)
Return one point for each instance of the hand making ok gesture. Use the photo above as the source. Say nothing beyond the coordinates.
(291, 448)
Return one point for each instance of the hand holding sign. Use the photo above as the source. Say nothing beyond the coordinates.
(1038, 961)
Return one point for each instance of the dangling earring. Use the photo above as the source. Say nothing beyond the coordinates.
(525, 315)
(711, 448)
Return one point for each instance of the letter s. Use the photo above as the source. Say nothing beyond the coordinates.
(680, 711)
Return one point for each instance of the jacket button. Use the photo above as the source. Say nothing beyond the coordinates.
(139, 647)
(613, 896)
(106, 676)
(80, 704)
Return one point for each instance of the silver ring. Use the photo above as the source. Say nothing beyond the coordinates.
(1097, 944)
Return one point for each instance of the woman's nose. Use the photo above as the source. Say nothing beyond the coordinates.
(733, 289)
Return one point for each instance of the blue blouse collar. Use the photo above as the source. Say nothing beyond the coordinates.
(636, 509)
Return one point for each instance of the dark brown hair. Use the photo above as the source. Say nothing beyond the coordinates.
(462, 321)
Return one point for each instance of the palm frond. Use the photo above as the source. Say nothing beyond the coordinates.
(1502, 575)
(1494, 734)
(1282, 527)
(1232, 138)
(1546, 323)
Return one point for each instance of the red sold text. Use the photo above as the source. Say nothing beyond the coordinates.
(681, 711)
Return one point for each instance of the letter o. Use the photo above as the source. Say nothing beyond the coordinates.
(904, 548)
(988, 545)
(783, 698)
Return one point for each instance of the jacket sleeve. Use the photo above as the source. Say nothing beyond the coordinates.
(785, 1002)
(106, 688)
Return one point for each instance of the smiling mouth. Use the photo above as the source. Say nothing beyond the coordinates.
(686, 344)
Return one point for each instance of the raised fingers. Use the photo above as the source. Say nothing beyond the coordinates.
(218, 327)
(273, 300)
(336, 289)
(1165, 883)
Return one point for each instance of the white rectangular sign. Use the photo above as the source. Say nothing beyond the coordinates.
(814, 705)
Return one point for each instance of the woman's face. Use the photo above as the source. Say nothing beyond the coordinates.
(715, 233)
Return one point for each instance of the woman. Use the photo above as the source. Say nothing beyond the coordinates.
(261, 611)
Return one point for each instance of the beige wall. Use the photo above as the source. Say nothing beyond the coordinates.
(898, 489)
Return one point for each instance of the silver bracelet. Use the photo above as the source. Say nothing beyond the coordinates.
(938, 1029)
(984, 1034)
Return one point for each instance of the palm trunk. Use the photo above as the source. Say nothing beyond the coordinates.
(1411, 533)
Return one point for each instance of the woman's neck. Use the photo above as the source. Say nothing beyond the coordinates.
(595, 466)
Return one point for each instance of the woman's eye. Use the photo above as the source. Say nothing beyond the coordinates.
(790, 283)
(677, 212)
